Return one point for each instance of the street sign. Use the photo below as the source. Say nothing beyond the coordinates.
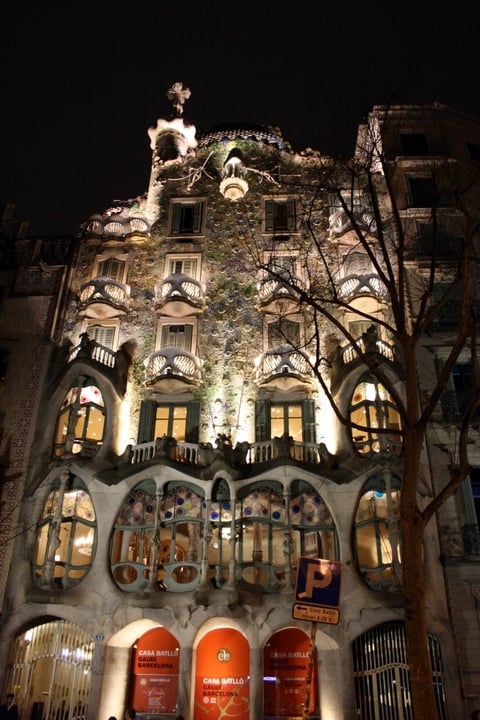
(317, 593)
(312, 613)
(318, 582)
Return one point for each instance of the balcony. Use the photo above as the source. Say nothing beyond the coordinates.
(172, 370)
(284, 368)
(368, 345)
(102, 298)
(341, 221)
(278, 295)
(361, 284)
(179, 296)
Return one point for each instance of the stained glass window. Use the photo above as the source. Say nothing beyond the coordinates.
(66, 536)
(313, 529)
(373, 409)
(81, 420)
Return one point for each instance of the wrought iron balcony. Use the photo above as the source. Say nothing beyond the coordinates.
(277, 294)
(367, 345)
(285, 368)
(103, 298)
(179, 295)
(173, 369)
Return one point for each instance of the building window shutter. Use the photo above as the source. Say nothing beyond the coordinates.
(193, 421)
(147, 421)
(291, 215)
(309, 421)
(269, 215)
(262, 420)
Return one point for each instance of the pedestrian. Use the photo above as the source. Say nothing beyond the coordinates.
(9, 711)
(130, 714)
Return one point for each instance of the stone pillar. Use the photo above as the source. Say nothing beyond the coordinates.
(116, 677)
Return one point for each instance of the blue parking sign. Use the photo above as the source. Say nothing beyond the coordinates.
(318, 582)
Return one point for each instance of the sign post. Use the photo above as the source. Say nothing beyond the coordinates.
(317, 598)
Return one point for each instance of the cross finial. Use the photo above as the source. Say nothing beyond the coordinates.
(178, 94)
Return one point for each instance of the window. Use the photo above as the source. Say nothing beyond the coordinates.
(81, 420)
(261, 560)
(414, 144)
(312, 526)
(382, 675)
(177, 336)
(187, 217)
(111, 267)
(280, 215)
(475, 484)
(177, 420)
(295, 420)
(183, 265)
(422, 192)
(372, 408)
(67, 533)
(474, 151)
(220, 543)
(102, 334)
(156, 541)
(377, 535)
(435, 239)
(283, 332)
(457, 395)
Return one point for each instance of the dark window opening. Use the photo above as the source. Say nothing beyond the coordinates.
(414, 144)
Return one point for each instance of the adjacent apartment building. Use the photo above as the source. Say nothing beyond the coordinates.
(186, 435)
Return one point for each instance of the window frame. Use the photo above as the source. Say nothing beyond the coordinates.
(271, 220)
(196, 227)
(183, 258)
(167, 322)
(112, 257)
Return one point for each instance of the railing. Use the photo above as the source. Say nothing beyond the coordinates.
(173, 362)
(283, 360)
(102, 289)
(276, 287)
(258, 452)
(179, 287)
(349, 352)
(93, 351)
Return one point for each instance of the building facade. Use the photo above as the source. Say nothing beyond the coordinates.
(185, 468)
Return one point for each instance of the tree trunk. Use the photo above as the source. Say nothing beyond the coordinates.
(413, 528)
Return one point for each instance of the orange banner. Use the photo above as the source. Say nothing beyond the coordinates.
(222, 682)
(156, 659)
(285, 664)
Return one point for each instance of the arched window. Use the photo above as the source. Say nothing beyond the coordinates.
(313, 529)
(382, 674)
(377, 534)
(220, 535)
(372, 409)
(156, 542)
(181, 516)
(66, 535)
(81, 420)
(133, 547)
(262, 559)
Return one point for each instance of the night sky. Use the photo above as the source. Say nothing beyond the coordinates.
(82, 82)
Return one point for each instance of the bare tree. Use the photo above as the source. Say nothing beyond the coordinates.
(372, 248)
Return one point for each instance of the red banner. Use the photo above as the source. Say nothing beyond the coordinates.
(156, 659)
(222, 686)
(285, 664)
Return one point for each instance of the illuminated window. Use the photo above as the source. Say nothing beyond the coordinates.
(373, 409)
(382, 674)
(66, 536)
(187, 217)
(295, 420)
(280, 215)
(175, 420)
(377, 535)
(261, 560)
(312, 526)
(81, 420)
(156, 541)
